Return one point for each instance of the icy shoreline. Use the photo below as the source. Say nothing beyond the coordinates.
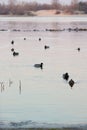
(37, 125)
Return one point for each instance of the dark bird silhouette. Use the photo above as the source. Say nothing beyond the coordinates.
(12, 42)
(39, 39)
(78, 49)
(66, 76)
(39, 65)
(24, 38)
(46, 47)
(12, 49)
(15, 53)
(71, 83)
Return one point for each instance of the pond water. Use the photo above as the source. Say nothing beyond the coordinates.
(32, 96)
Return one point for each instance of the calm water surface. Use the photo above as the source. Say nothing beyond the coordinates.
(38, 96)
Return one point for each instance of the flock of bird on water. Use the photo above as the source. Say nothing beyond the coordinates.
(50, 30)
(65, 76)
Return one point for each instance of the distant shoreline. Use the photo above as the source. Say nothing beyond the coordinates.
(44, 13)
(19, 126)
(65, 128)
(25, 16)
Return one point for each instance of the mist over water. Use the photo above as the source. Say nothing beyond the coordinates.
(32, 96)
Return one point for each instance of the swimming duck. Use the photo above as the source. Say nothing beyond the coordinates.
(39, 65)
(12, 42)
(15, 53)
(66, 76)
(46, 47)
(39, 39)
(24, 38)
(71, 83)
(78, 49)
(12, 49)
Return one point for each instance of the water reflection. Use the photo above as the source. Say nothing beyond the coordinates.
(4, 84)
(19, 86)
(10, 82)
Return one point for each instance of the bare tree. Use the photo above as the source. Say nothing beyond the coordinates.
(26, 8)
(12, 2)
(74, 2)
(12, 6)
(55, 4)
(74, 5)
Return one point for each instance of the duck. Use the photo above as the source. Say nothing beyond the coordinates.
(46, 47)
(78, 48)
(24, 38)
(12, 49)
(71, 83)
(15, 53)
(66, 76)
(12, 42)
(39, 39)
(39, 65)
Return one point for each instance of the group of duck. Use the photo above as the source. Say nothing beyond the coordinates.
(69, 29)
(40, 65)
(66, 77)
(14, 52)
(17, 53)
(76, 29)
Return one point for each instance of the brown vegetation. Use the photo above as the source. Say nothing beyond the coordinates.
(27, 8)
